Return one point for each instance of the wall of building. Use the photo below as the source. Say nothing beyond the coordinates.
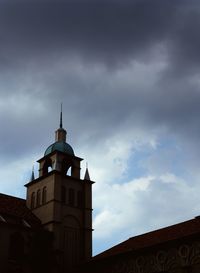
(7, 257)
(176, 257)
(69, 216)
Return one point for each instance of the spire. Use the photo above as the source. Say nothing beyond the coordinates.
(60, 132)
(61, 117)
(87, 176)
(32, 175)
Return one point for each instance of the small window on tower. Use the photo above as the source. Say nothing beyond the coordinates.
(71, 197)
(79, 199)
(38, 197)
(47, 166)
(44, 195)
(63, 194)
(32, 200)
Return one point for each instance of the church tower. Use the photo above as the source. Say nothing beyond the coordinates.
(63, 201)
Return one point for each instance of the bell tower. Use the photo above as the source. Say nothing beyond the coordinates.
(63, 201)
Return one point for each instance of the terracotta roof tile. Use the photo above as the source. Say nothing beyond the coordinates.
(152, 238)
(14, 210)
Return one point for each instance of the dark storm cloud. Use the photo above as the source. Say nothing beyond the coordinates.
(35, 37)
(110, 32)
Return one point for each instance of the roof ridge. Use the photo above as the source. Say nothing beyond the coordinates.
(163, 234)
(163, 228)
(14, 197)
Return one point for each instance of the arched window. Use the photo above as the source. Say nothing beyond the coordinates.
(63, 194)
(32, 200)
(38, 198)
(79, 199)
(71, 197)
(44, 195)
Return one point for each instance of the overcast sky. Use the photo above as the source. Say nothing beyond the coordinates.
(128, 75)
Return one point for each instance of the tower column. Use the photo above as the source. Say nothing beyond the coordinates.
(63, 201)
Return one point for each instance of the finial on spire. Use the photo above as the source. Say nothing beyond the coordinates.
(61, 116)
(60, 134)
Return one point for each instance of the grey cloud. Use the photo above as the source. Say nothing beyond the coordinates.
(40, 40)
(112, 32)
(109, 32)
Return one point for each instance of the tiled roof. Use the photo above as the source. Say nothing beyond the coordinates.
(15, 211)
(178, 231)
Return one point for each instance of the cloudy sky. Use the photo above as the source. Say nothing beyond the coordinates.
(128, 74)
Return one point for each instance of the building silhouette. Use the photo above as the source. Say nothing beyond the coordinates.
(58, 201)
(51, 231)
(63, 201)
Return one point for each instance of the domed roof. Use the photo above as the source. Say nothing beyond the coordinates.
(60, 146)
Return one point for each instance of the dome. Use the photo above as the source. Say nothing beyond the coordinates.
(60, 146)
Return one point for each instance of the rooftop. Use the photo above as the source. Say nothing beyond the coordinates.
(163, 235)
(13, 210)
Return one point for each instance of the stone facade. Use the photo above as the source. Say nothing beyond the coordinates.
(184, 258)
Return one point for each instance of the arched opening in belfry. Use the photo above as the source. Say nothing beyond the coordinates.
(47, 166)
(69, 171)
(66, 167)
